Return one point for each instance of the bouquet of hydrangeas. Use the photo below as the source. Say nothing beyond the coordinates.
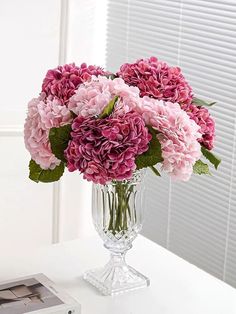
(107, 125)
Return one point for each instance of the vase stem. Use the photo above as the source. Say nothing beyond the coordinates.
(117, 259)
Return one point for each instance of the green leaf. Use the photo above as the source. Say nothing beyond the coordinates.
(109, 108)
(73, 115)
(201, 168)
(154, 169)
(153, 155)
(211, 157)
(200, 102)
(59, 138)
(37, 174)
(111, 76)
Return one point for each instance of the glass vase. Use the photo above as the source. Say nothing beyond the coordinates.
(117, 211)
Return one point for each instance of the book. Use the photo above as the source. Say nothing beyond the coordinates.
(35, 294)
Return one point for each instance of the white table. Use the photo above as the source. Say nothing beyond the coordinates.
(177, 287)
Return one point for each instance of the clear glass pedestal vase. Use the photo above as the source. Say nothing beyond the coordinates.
(118, 216)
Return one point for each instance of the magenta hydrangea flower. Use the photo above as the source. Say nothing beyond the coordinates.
(105, 149)
(177, 133)
(203, 118)
(156, 79)
(43, 115)
(92, 97)
(62, 81)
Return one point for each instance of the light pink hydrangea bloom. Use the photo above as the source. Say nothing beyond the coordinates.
(43, 115)
(92, 97)
(178, 136)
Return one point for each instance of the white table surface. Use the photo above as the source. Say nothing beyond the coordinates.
(177, 287)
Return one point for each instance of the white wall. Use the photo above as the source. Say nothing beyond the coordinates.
(35, 36)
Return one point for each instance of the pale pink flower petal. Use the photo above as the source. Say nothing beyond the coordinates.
(178, 136)
(92, 97)
(43, 115)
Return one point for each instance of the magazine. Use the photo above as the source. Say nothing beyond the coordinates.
(35, 294)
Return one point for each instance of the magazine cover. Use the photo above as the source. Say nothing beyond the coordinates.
(35, 294)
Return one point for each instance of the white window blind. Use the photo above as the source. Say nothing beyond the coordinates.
(197, 219)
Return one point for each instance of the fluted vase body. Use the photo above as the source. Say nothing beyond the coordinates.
(118, 210)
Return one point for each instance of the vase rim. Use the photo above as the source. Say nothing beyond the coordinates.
(137, 177)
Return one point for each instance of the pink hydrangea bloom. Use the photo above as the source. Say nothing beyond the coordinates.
(156, 79)
(178, 136)
(91, 97)
(62, 81)
(105, 149)
(203, 118)
(179, 133)
(43, 115)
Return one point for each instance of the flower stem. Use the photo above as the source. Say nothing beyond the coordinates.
(119, 207)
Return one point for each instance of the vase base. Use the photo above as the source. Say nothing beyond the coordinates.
(116, 280)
